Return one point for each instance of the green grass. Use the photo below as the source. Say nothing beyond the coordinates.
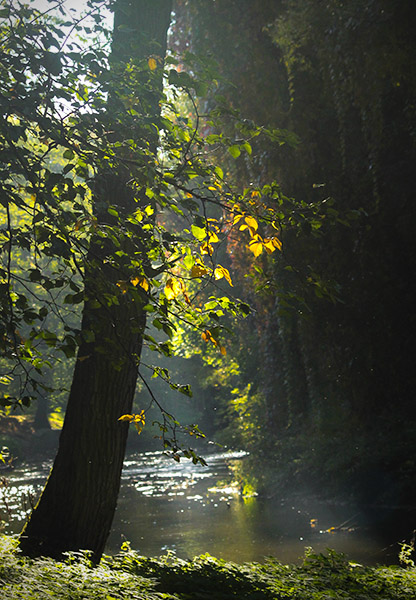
(129, 576)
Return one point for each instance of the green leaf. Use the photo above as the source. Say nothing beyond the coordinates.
(198, 233)
(234, 151)
(247, 148)
(219, 172)
(68, 154)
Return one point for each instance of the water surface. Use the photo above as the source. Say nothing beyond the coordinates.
(189, 510)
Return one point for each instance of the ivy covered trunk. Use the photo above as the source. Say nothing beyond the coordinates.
(77, 506)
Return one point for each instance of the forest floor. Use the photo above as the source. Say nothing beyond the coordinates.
(129, 576)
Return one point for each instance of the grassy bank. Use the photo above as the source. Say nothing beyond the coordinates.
(129, 576)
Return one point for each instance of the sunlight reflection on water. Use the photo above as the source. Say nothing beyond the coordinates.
(181, 507)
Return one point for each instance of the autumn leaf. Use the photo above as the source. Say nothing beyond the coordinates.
(152, 63)
(206, 248)
(212, 237)
(251, 224)
(141, 281)
(256, 246)
(208, 337)
(271, 244)
(237, 218)
(221, 272)
(137, 420)
(173, 288)
(223, 350)
(126, 418)
(198, 270)
(277, 243)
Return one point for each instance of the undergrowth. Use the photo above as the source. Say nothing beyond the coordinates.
(129, 576)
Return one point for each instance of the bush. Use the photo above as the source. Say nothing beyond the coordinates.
(129, 576)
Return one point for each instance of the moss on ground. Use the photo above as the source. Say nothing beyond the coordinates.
(129, 576)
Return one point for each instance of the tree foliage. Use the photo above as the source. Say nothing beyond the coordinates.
(55, 92)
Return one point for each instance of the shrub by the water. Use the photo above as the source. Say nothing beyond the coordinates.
(129, 576)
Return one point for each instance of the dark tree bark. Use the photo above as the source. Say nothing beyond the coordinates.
(41, 420)
(77, 506)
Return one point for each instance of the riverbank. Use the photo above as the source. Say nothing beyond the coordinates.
(129, 576)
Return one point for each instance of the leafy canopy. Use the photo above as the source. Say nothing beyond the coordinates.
(80, 127)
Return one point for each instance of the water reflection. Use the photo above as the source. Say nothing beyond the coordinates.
(180, 507)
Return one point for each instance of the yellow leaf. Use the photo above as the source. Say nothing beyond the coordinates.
(198, 270)
(251, 224)
(141, 281)
(256, 246)
(221, 272)
(206, 335)
(237, 218)
(137, 420)
(255, 194)
(152, 63)
(223, 351)
(173, 288)
(212, 188)
(213, 238)
(271, 244)
(277, 243)
(140, 418)
(206, 248)
(126, 418)
(268, 246)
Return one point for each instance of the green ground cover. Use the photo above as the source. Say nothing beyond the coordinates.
(129, 576)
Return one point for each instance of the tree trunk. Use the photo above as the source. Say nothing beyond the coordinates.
(77, 506)
(41, 420)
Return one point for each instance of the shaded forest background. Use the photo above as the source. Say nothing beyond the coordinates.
(318, 382)
(326, 379)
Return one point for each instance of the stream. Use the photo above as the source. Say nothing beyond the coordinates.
(187, 509)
